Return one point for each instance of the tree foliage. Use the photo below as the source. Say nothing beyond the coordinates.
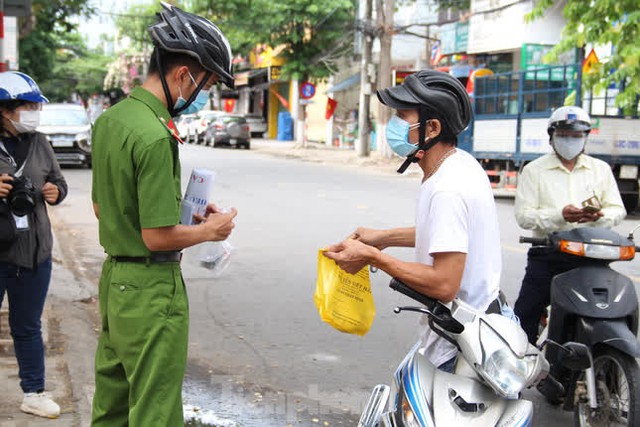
(52, 31)
(603, 22)
(313, 34)
(453, 4)
(55, 55)
(133, 23)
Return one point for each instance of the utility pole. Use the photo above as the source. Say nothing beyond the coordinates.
(365, 83)
(384, 10)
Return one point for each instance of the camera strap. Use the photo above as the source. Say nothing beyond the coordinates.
(22, 222)
(12, 160)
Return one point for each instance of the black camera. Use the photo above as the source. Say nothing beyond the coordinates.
(21, 198)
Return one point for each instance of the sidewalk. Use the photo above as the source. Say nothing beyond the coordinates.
(68, 332)
(322, 153)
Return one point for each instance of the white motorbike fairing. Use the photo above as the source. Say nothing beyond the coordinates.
(454, 399)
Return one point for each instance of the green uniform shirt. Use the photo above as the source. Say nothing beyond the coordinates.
(136, 173)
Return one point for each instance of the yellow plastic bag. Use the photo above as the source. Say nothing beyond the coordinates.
(344, 300)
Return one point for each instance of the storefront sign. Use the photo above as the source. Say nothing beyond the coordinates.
(274, 73)
(398, 76)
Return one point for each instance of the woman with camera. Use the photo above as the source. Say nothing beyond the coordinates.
(29, 177)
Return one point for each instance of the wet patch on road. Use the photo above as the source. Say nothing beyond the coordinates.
(221, 400)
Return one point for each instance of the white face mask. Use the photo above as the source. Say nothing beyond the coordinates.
(568, 147)
(29, 121)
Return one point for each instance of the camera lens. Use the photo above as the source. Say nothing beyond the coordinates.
(21, 198)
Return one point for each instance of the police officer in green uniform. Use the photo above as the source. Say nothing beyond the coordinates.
(142, 351)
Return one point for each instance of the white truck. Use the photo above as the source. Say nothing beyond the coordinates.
(509, 129)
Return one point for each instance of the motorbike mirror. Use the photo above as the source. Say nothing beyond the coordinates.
(576, 356)
(630, 236)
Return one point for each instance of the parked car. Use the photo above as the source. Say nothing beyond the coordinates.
(68, 130)
(229, 129)
(184, 124)
(257, 124)
(201, 123)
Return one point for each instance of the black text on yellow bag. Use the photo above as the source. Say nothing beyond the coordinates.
(344, 300)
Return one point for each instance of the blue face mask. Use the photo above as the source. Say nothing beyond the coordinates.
(198, 104)
(398, 136)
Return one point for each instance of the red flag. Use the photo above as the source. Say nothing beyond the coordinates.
(331, 108)
(229, 104)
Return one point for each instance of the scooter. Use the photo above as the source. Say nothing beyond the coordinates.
(495, 363)
(598, 307)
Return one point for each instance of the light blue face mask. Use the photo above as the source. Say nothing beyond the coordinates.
(198, 104)
(398, 136)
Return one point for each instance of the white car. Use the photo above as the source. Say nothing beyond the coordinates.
(68, 130)
(200, 124)
(257, 124)
(183, 125)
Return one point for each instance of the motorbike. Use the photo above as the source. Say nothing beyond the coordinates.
(597, 306)
(495, 363)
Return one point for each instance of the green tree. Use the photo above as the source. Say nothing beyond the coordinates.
(602, 22)
(313, 34)
(53, 26)
(133, 24)
(76, 70)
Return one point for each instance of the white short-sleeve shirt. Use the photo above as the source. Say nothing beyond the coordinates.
(456, 212)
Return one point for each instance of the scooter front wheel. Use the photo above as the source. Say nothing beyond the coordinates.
(617, 388)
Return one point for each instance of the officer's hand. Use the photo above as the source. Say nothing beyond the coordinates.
(211, 208)
(51, 192)
(5, 187)
(218, 226)
(570, 213)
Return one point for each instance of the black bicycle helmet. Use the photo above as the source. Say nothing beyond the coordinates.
(182, 32)
(440, 94)
(435, 95)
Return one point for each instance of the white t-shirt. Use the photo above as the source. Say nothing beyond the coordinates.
(456, 213)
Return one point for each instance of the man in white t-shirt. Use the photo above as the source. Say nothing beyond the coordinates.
(456, 237)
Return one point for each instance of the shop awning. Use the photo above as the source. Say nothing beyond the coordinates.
(250, 77)
(345, 84)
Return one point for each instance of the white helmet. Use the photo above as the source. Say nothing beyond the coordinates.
(16, 86)
(569, 118)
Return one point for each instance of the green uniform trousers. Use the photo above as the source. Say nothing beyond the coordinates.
(142, 350)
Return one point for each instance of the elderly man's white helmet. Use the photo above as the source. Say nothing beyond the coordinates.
(569, 118)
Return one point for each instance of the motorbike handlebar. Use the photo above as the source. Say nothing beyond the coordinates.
(538, 241)
(438, 313)
(397, 285)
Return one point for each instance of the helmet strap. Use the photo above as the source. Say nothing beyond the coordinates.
(424, 145)
(195, 93)
(167, 94)
(165, 86)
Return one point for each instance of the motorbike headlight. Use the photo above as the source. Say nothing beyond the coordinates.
(597, 251)
(501, 367)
